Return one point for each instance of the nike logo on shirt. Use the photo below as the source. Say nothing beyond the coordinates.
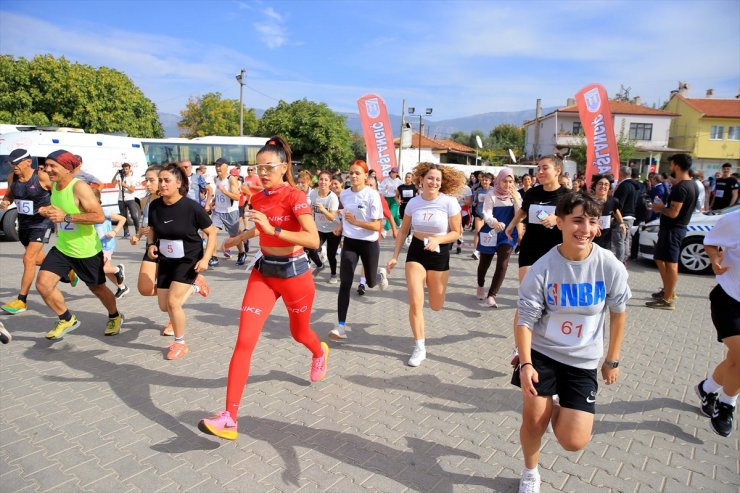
(168, 221)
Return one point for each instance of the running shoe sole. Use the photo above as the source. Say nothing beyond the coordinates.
(13, 311)
(225, 434)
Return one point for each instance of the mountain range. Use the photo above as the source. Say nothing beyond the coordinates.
(442, 129)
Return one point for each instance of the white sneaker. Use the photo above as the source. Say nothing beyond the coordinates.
(382, 279)
(491, 302)
(530, 483)
(333, 279)
(419, 355)
(338, 333)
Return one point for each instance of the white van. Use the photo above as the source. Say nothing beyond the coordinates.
(102, 156)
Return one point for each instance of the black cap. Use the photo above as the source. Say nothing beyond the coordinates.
(19, 155)
(221, 161)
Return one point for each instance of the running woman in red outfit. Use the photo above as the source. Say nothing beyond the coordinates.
(285, 226)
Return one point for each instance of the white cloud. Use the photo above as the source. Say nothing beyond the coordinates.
(272, 28)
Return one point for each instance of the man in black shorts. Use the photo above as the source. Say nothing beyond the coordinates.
(674, 219)
(30, 189)
(75, 209)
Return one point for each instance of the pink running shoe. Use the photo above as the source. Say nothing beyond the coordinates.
(479, 294)
(318, 365)
(221, 425)
(203, 288)
(178, 350)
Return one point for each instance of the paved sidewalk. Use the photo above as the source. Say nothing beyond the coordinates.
(110, 414)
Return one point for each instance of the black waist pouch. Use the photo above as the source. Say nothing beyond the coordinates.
(282, 267)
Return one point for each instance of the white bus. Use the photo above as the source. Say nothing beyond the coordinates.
(102, 157)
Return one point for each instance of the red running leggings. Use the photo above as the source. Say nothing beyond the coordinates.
(259, 299)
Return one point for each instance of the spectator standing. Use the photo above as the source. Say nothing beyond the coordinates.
(674, 218)
(725, 189)
(124, 178)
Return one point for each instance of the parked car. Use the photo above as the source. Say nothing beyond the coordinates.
(692, 258)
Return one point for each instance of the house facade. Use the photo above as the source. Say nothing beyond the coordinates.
(647, 128)
(420, 149)
(709, 128)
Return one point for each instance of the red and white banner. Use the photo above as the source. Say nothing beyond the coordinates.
(602, 153)
(376, 129)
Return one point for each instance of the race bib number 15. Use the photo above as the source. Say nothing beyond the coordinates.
(24, 207)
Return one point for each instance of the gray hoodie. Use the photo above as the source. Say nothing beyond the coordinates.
(564, 303)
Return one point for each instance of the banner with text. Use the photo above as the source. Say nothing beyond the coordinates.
(602, 153)
(376, 129)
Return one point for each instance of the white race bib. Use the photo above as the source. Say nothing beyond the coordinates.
(222, 203)
(67, 227)
(719, 193)
(488, 239)
(605, 222)
(171, 248)
(407, 194)
(24, 207)
(570, 329)
(536, 211)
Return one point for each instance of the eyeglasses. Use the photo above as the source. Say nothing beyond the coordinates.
(267, 167)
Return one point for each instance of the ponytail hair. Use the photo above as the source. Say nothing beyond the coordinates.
(278, 146)
(175, 170)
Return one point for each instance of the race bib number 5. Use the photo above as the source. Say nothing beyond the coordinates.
(24, 207)
(172, 248)
(571, 329)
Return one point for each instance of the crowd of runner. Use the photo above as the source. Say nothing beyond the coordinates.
(573, 244)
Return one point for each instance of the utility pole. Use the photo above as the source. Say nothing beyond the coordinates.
(242, 79)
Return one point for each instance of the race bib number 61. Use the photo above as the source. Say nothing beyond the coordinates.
(571, 329)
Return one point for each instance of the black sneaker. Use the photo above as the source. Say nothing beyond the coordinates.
(121, 274)
(213, 262)
(722, 418)
(458, 250)
(658, 295)
(241, 259)
(661, 304)
(707, 399)
(361, 289)
(121, 292)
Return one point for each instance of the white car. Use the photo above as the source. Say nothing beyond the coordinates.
(692, 258)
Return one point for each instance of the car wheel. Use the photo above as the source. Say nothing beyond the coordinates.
(10, 225)
(692, 258)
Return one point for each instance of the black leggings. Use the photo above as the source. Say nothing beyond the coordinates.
(129, 206)
(503, 253)
(332, 244)
(352, 252)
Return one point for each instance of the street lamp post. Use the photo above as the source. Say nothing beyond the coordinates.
(242, 79)
(427, 112)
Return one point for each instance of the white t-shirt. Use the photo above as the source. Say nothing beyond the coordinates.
(330, 203)
(726, 235)
(388, 186)
(432, 217)
(129, 181)
(365, 206)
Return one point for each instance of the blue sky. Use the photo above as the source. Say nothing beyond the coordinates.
(459, 57)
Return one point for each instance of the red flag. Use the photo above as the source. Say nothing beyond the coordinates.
(376, 128)
(596, 120)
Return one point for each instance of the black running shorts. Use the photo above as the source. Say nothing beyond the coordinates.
(89, 270)
(576, 387)
(725, 313)
(428, 259)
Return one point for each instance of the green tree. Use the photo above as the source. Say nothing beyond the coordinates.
(317, 135)
(506, 136)
(54, 91)
(359, 150)
(211, 115)
(625, 146)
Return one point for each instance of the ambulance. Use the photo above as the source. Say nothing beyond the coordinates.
(102, 156)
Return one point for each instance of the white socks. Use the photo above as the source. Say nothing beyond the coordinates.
(710, 386)
(728, 399)
(420, 344)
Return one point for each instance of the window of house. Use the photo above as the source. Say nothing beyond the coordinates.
(733, 133)
(577, 128)
(717, 132)
(641, 131)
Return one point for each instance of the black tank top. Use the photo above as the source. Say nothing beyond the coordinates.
(33, 191)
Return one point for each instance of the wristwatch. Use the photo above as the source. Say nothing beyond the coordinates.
(613, 364)
(68, 218)
(278, 230)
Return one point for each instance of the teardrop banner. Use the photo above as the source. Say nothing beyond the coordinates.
(602, 153)
(376, 129)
